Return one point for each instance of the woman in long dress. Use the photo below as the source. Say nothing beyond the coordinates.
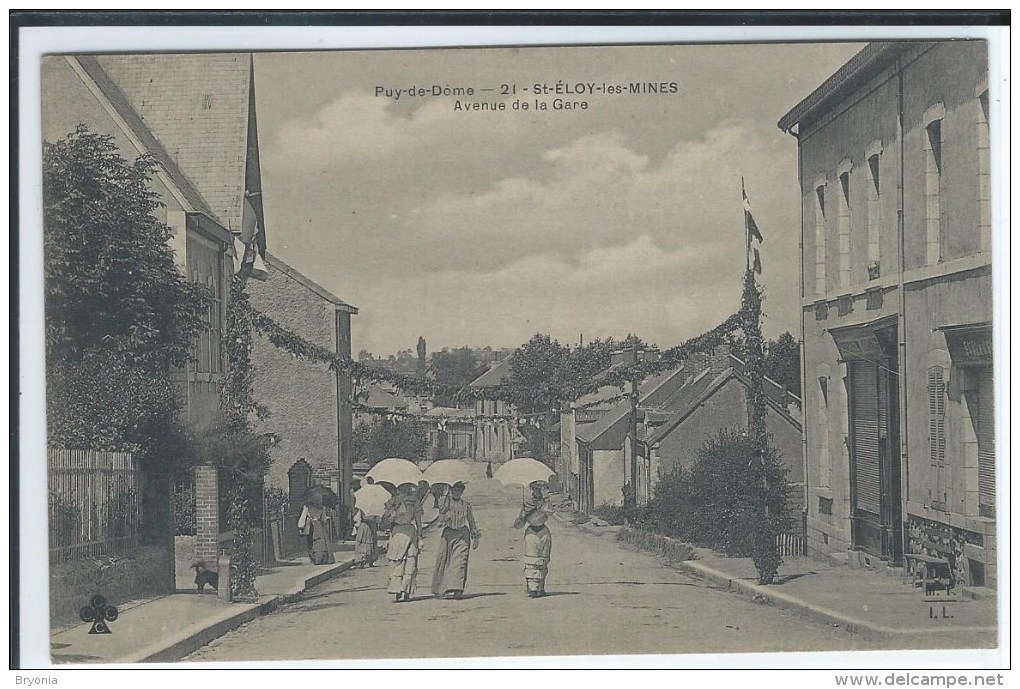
(364, 539)
(315, 527)
(460, 535)
(403, 517)
(537, 541)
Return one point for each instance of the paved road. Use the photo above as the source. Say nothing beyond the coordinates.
(604, 599)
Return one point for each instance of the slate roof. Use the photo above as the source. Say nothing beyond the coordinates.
(591, 432)
(193, 111)
(695, 393)
(866, 64)
(494, 376)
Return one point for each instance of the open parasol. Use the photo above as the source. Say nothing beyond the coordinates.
(371, 500)
(448, 471)
(523, 471)
(395, 471)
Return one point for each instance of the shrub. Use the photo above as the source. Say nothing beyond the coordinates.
(716, 503)
(614, 514)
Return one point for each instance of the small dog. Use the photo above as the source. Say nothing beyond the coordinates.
(205, 577)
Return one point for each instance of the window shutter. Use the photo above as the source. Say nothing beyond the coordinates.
(937, 431)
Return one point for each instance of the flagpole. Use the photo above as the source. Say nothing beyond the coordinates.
(747, 230)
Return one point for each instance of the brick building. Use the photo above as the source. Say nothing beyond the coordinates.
(897, 307)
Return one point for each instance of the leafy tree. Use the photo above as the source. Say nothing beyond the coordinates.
(119, 315)
(380, 438)
(782, 362)
(536, 380)
(455, 367)
(718, 501)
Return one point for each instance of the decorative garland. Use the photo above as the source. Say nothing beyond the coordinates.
(766, 553)
(300, 348)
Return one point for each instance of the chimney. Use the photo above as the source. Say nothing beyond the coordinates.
(721, 358)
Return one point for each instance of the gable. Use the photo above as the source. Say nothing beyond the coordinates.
(198, 108)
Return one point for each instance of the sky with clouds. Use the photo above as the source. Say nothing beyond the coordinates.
(483, 228)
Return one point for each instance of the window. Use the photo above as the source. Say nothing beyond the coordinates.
(938, 490)
(206, 268)
(984, 174)
(933, 147)
(874, 185)
(824, 458)
(820, 239)
(843, 224)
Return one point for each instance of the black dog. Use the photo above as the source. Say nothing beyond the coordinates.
(205, 577)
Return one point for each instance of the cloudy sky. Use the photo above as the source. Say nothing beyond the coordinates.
(483, 228)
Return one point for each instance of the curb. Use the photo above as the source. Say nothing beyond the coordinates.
(202, 633)
(767, 595)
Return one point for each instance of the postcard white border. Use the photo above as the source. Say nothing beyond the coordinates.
(35, 42)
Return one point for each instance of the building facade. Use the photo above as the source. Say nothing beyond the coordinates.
(309, 404)
(897, 306)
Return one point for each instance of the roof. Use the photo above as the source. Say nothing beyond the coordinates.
(649, 386)
(451, 412)
(699, 390)
(278, 263)
(377, 397)
(865, 65)
(197, 106)
(495, 376)
(139, 128)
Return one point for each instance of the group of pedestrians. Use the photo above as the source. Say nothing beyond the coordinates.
(414, 511)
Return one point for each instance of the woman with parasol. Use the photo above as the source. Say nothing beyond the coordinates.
(402, 517)
(460, 535)
(537, 540)
(315, 525)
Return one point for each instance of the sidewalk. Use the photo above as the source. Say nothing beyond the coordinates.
(167, 628)
(873, 604)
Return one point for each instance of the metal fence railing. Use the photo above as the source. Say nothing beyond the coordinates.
(94, 503)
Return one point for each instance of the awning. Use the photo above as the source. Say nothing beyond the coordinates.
(868, 341)
(969, 344)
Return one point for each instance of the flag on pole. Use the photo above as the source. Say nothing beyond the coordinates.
(252, 240)
(751, 231)
(752, 227)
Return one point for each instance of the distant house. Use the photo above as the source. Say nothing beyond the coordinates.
(677, 411)
(496, 437)
(896, 307)
(709, 401)
(451, 433)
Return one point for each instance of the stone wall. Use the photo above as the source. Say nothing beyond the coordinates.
(143, 572)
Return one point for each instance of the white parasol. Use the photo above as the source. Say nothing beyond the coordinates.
(371, 499)
(395, 471)
(448, 471)
(523, 471)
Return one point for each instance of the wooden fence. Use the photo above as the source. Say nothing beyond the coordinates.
(94, 503)
(790, 544)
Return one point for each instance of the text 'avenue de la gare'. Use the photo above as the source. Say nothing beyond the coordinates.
(563, 95)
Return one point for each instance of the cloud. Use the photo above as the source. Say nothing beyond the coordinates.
(637, 286)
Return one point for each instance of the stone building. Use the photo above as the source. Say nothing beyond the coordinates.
(309, 404)
(896, 307)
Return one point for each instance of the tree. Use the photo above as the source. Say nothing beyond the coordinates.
(381, 438)
(119, 315)
(454, 367)
(782, 362)
(718, 502)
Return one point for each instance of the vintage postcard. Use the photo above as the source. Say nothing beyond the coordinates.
(658, 348)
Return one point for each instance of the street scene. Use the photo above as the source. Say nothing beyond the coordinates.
(618, 350)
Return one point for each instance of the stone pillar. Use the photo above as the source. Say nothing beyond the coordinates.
(207, 516)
